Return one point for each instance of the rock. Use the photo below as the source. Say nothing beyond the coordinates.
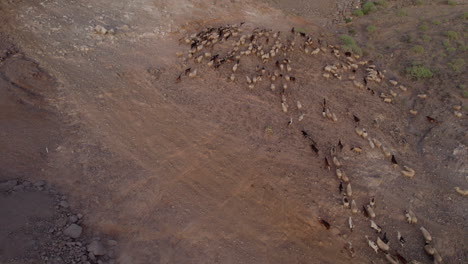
(26, 183)
(73, 218)
(6, 186)
(18, 188)
(79, 216)
(96, 248)
(64, 204)
(39, 183)
(91, 256)
(62, 222)
(111, 253)
(111, 242)
(73, 231)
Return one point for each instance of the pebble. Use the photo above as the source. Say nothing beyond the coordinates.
(73, 219)
(40, 183)
(62, 222)
(18, 188)
(73, 231)
(111, 242)
(64, 204)
(6, 186)
(96, 248)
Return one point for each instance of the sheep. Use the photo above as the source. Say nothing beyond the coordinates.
(284, 107)
(461, 192)
(430, 250)
(408, 172)
(427, 236)
(372, 245)
(350, 223)
(345, 202)
(193, 73)
(377, 143)
(382, 245)
(349, 191)
(354, 208)
(301, 117)
(370, 211)
(299, 105)
(356, 149)
(411, 217)
(336, 162)
(374, 226)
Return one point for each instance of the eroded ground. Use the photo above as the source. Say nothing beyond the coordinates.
(207, 170)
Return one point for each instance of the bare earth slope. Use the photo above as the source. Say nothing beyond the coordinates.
(207, 170)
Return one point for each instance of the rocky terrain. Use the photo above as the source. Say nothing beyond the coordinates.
(39, 227)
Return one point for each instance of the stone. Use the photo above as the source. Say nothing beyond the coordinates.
(64, 204)
(96, 248)
(73, 218)
(39, 183)
(8, 185)
(62, 222)
(18, 188)
(111, 242)
(73, 231)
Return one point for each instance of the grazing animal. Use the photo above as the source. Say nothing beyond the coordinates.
(374, 226)
(324, 223)
(408, 172)
(400, 238)
(382, 245)
(427, 236)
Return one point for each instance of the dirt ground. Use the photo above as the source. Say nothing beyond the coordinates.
(207, 170)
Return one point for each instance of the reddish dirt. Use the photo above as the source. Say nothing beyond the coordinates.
(206, 170)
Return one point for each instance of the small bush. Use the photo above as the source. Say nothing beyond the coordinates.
(451, 49)
(348, 20)
(423, 27)
(381, 3)
(426, 38)
(446, 43)
(406, 39)
(368, 7)
(418, 49)
(436, 22)
(402, 13)
(349, 44)
(457, 65)
(419, 72)
(465, 94)
(371, 28)
(452, 35)
(451, 2)
(358, 13)
(347, 40)
(352, 31)
(465, 15)
(418, 2)
(464, 90)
